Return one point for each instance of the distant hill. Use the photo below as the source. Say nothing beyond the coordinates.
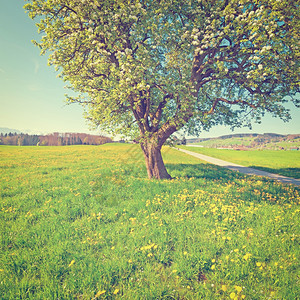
(5, 130)
(247, 141)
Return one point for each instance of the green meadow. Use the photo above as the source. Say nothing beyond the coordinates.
(286, 163)
(84, 222)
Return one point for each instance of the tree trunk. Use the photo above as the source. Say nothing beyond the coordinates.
(154, 162)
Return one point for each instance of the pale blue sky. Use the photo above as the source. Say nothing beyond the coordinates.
(32, 98)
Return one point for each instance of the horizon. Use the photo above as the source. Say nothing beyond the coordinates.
(7, 130)
(32, 97)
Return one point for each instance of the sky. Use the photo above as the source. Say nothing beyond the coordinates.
(32, 97)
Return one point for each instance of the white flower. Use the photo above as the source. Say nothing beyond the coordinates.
(260, 67)
(128, 51)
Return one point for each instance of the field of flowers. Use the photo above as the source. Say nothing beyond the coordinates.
(84, 222)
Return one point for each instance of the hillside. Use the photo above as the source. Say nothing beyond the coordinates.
(270, 141)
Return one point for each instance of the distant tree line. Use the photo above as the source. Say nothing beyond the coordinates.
(54, 139)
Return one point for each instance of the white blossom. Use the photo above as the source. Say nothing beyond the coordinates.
(128, 51)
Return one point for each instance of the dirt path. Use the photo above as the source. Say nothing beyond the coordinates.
(242, 169)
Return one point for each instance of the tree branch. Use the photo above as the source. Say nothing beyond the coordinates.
(239, 101)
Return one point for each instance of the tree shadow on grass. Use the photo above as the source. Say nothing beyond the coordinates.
(289, 172)
(205, 171)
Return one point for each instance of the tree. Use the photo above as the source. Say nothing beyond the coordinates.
(149, 68)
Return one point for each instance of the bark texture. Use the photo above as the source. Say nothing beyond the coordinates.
(154, 162)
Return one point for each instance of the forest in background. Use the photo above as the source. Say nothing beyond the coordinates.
(53, 139)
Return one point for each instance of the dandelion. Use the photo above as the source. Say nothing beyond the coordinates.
(213, 267)
(71, 263)
(238, 288)
(224, 288)
(233, 296)
(100, 293)
(116, 291)
(247, 256)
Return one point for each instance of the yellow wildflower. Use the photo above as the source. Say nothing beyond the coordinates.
(100, 293)
(238, 288)
(71, 263)
(247, 256)
(116, 291)
(224, 288)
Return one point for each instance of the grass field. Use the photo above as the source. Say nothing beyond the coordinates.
(84, 222)
(286, 163)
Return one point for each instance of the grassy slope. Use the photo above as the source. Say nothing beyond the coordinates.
(285, 163)
(247, 141)
(227, 142)
(83, 221)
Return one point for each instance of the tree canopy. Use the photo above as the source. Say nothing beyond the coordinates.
(150, 68)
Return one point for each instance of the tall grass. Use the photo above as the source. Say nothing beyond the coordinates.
(84, 222)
